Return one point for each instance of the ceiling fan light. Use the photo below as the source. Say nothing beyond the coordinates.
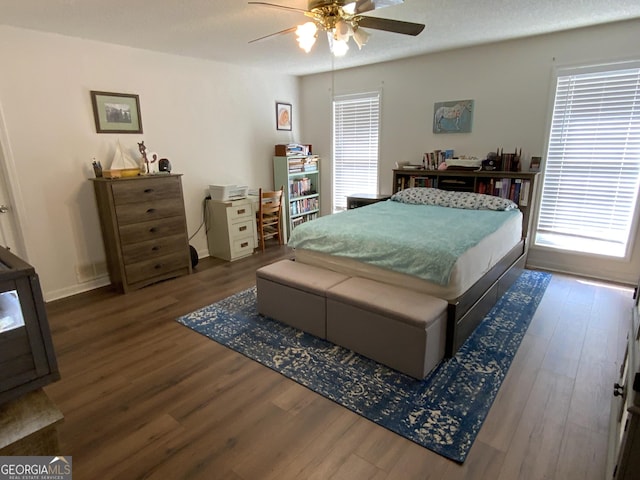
(338, 47)
(342, 31)
(349, 8)
(306, 34)
(360, 37)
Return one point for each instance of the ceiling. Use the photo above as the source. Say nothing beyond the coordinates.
(221, 29)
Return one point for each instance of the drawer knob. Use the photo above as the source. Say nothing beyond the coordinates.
(148, 190)
(151, 210)
(155, 248)
(243, 228)
(618, 390)
(244, 244)
(157, 266)
(241, 211)
(153, 230)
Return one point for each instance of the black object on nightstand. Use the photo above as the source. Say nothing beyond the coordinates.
(361, 199)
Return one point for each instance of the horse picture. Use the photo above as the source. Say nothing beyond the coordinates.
(452, 117)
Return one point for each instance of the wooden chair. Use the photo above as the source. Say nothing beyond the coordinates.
(269, 216)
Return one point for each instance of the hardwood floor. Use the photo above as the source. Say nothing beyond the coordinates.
(145, 397)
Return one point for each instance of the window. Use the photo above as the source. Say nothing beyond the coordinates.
(592, 172)
(356, 122)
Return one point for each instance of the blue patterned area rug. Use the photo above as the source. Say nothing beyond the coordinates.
(443, 412)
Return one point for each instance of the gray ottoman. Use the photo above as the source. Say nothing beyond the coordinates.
(403, 329)
(295, 294)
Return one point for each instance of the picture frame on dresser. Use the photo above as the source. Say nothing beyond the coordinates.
(116, 112)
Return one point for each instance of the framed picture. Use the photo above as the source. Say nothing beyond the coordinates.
(453, 116)
(283, 116)
(116, 112)
(534, 166)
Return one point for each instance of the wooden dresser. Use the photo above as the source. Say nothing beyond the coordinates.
(144, 229)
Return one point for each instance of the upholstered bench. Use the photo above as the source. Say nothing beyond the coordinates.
(295, 294)
(400, 328)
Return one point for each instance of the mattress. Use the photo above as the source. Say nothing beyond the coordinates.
(468, 268)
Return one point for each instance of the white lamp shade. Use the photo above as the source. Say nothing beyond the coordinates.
(360, 37)
(342, 31)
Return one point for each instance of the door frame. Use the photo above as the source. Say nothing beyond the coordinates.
(12, 193)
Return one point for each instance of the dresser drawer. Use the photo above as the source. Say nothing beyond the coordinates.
(241, 247)
(241, 229)
(146, 190)
(142, 212)
(139, 251)
(156, 267)
(238, 212)
(144, 231)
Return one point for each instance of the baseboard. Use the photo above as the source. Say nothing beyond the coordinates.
(75, 289)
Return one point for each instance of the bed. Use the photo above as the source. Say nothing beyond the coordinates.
(463, 247)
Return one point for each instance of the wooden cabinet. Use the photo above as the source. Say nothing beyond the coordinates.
(144, 229)
(232, 230)
(300, 177)
(27, 357)
(623, 461)
(517, 186)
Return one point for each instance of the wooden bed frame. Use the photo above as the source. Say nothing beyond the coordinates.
(467, 311)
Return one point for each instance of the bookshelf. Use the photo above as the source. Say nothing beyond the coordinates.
(300, 176)
(517, 186)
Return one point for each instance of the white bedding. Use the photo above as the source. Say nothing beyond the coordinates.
(468, 269)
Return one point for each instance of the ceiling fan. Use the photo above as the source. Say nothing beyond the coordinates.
(342, 19)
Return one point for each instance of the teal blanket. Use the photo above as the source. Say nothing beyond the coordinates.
(420, 240)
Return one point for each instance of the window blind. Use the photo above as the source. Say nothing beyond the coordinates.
(356, 123)
(592, 171)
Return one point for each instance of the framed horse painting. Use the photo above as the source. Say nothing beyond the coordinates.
(452, 117)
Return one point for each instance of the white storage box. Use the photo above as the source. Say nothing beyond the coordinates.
(463, 163)
(227, 192)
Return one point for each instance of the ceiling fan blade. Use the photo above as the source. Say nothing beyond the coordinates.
(283, 7)
(282, 32)
(368, 5)
(388, 25)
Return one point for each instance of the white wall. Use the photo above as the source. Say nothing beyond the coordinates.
(214, 122)
(512, 88)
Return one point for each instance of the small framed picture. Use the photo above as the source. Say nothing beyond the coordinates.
(283, 116)
(534, 166)
(116, 112)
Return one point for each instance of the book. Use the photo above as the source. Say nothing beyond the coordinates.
(524, 193)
